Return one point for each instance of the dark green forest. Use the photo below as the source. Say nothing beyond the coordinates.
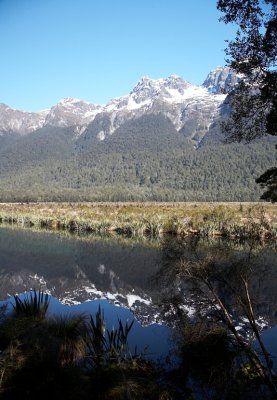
(145, 159)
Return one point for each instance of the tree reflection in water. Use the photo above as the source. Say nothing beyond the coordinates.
(220, 295)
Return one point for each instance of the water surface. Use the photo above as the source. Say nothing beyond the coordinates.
(131, 278)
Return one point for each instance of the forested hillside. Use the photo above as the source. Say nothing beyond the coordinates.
(145, 159)
(163, 141)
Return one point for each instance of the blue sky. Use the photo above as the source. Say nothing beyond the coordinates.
(97, 50)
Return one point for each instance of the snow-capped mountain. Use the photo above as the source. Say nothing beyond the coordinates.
(69, 112)
(175, 98)
(172, 89)
(16, 121)
(221, 80)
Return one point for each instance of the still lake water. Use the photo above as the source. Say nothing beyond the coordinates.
(129, 278)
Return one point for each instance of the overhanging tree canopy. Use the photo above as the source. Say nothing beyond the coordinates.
(253, 54)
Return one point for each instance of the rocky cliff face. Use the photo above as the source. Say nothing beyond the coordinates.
(70, 112)
(221, 81)
(21, 122)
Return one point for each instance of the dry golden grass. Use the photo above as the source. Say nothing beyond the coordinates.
(229, 219)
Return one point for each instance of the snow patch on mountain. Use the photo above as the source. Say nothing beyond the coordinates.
(70, 112)
(177, 99)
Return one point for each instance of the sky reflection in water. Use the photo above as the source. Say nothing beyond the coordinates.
(127, 277)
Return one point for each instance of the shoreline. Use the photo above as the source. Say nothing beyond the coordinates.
(231, 220)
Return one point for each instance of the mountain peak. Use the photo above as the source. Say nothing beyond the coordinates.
(71, 111)
(146, 78)
(149, 88)
(173, 76)
(221, 80)
(67, 101)
(173, 96)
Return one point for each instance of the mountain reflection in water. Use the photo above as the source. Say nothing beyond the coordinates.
(138, 275)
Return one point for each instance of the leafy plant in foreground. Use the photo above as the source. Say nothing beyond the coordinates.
(106, 346)
(33, 305)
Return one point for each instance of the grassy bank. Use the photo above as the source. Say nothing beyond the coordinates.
(233, 220)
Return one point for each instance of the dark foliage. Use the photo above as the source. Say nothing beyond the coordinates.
(57, 357)
(34, 305)
(253, 54)
(269, 180)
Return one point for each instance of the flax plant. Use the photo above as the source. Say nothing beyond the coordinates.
(33, 305)
(106, 346)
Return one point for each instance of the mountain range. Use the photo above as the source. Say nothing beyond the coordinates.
(174, 97)
(161, 141)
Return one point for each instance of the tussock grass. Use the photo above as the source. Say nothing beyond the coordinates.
(71, 357)
(238, 220)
